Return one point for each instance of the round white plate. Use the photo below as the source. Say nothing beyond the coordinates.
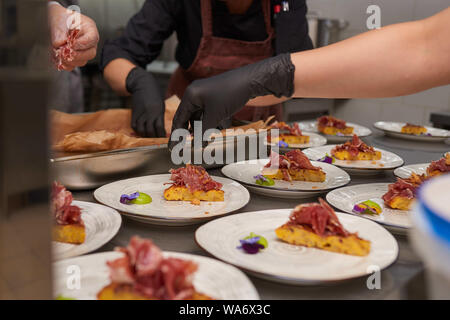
(388, 160)
(213, 278)
(394, 129)
(345, 199)
(311, 126)
(161, 211)
(315, 140)
(291, 264)
(245, 171)
(102, 224)
(406, 171)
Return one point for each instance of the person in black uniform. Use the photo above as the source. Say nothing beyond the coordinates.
(214, 36)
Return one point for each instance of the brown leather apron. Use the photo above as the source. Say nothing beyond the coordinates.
(216, 55)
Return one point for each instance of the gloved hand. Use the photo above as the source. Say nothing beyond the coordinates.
(148, 106)
(217, 98)
(85, 43)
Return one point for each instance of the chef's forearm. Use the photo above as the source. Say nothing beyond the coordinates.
(266, 101)
(116, 73)
(396, 60)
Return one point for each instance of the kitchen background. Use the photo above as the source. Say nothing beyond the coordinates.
(112, 15)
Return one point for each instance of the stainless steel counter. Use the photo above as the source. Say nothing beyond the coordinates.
(403, 280)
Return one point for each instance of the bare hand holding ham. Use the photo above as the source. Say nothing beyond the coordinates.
(74, 38)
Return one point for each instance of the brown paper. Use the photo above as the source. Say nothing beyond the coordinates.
(110, 130)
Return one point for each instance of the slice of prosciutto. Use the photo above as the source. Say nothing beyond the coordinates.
(320, 217)
(61, 207)
(194, 178)
(329, 121)
(66, 53)
(442, 165)
(145, 268)
(294, 130)
(402, 188)
(292, 159)
(354, 146)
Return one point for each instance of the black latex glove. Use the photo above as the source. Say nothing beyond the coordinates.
(147, 117)
(217, 98)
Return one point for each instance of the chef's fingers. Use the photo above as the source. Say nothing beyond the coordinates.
(88, 37)
(83, 56)
(141, 126)
(150, 130)
(180, 121)
(135, 116)
(159, 127)
(67, 67)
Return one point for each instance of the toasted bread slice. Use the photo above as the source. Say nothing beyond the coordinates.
(175, 193)
(332, 131)
(400, 203)
(71, 233)
(417, 130)
(291, 139)
(116, 291)
(345, 155)
(304, 236)
(296, 175)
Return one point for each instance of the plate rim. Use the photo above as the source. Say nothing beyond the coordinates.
(364, 169)
(113, 211)
(272, 144)
(328, 136)
(376, 125)
(288, 280)
(403, 228)
(408, 165)
(283, 189)
(173, 219)
(227, 265)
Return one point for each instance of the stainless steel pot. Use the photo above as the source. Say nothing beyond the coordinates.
(324, 31)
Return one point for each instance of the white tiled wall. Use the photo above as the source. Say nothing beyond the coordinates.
(414, 108)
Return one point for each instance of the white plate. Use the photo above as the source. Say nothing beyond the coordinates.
(311, 126)
(245, 171)
(163, 212)
(394, 129)
(213, 278)
(388, 160)
(102, 224)
(345, 199)
(286, 263)
(315, 140)
(406, 171)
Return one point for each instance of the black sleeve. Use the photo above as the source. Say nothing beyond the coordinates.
(144, 35)
(291, 28)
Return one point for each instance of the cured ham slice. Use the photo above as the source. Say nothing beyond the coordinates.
(61, 206)
(194, 178)
(150, 274)
(66, 53)
(320, 217)
(294, 130)
(329, 121)
(442, 165)
(292, 159)
(354, 147)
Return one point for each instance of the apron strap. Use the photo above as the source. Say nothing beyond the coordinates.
(267, 11)
(206, 16)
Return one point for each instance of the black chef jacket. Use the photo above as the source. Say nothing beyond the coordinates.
(146, 31)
